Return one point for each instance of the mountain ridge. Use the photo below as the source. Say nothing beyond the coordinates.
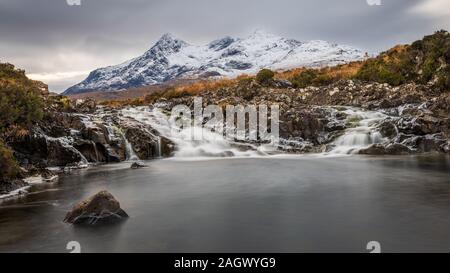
(171, 58)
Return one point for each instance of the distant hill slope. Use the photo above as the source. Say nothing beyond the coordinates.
(424, 61)
(173, 59)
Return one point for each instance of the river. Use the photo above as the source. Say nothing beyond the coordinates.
(256, 204)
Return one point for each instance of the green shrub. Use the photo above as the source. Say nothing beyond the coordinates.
(174, 93)
(303, 79)
(9, 169)
(312, 77)
(265, 76)
(20, 98)
(19, 105)
(379, 71)
(245, 81)
(10, 73)
(322, 79)
(443, 83)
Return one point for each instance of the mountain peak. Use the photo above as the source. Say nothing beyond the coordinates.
(169, 38)
(173, 59)
(168, 43)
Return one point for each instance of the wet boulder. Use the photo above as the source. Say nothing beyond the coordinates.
(390, 149)
(138, 165)
(427, 143)
(115, 153)
(280, 83)
(146, 142)
(37, 148)
(430, 125)
(446, 147)
(167, 147)
(335, 126)
(308, 124)
(100, 208)
(387, 128)
(421, 125)
(86, 105)
(55, 125)
(95, 134)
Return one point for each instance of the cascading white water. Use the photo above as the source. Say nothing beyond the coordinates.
(158, 147)
(115, 134)
(129, 152)
(211, 144)
(362, 132)
(95, 150)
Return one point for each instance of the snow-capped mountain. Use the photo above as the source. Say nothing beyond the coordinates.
(171, 59)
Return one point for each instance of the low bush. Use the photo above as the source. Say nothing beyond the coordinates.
(9, 169)
(265, 76)
(19, 106)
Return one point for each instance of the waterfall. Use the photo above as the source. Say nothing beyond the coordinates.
(158, 147)
(116, 134)
(95, 150)
(129, 152)
(362, 132)
(212, 144)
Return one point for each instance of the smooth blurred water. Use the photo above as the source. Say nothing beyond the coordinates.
(291, 204)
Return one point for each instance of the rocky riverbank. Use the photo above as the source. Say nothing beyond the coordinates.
(346, 117)
(77, 138)
(78, 135)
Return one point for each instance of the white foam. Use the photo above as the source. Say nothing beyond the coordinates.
(362, 135)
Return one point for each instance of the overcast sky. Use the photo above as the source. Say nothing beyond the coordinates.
(60, 44)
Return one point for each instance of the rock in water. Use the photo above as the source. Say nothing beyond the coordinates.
(390, 149)
(138, 165)
(100, 208)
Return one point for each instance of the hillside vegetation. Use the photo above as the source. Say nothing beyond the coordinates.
(425, 61)
(21, 105)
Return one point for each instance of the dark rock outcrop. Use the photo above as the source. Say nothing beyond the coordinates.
(39, 149)
(146, 142)
(308, 124)
(391, 149)
(388, 129)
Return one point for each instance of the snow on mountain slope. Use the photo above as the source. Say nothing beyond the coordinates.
(171, 59)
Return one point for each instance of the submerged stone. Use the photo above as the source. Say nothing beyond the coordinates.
(100, 208)
(138, 165)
